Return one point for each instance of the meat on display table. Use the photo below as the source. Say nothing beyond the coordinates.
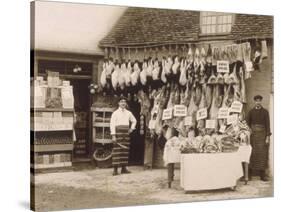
(205, 171)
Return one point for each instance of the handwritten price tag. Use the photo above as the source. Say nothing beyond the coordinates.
(201, 114)
(222, 66)
(236, 107)
(180, 110)
(167, 114)
(188, 120)
(223, 113)
(232, 119)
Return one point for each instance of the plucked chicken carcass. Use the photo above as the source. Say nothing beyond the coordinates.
(183, 69)
(143, 73)
(135, 74)
(103, 75)
(156, 70)
(128, 74)
(149, 68)
(121, 76)
(115, 76)
(163, 73)
(189, 57)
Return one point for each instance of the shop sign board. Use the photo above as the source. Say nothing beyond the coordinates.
(236, 107)
(201, 114)
(223, 113)
(167, 114)
(188, 120)
(222, 66)
(210, 123)
(180, 110)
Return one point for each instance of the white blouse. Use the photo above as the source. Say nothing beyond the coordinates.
(121, 117)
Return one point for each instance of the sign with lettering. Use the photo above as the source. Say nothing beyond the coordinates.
(236, 107)
(222, 66)
(167, 114)
(201, 114)
(210, 123)
(232, 119)
(180, 110)
(188, 120)
(223, 113)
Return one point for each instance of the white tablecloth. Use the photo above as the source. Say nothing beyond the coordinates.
(206, 171)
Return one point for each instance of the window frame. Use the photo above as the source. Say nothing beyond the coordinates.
(216, 23)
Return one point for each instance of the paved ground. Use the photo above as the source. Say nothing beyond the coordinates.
(98, 188)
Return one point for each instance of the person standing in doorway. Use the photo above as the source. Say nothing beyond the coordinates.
(258, 120)
(122, 123)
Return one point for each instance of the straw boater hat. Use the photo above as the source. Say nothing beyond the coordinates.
(256, 97)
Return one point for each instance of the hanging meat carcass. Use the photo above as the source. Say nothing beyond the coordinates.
(196, 60)
(213, 113)
(202, 73)
(209, 96)
(226, 103)
(144, 105)
(243, 86)
(192, 109)
(202, 104)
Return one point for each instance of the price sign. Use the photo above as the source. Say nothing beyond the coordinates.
(210, 123)
(188, 120)
(180, 110)
(222, 128)
(152, 124)
(236, 107)
(167, 114)
(222, 66)
(232, 119)
(223, 113)
(201, 114)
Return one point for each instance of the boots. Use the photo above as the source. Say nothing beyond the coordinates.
(115, 170)
(263, 176)
(124, 170)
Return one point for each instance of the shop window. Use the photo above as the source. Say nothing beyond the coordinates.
(216, 23)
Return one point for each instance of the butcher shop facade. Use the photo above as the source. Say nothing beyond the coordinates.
(187, 70)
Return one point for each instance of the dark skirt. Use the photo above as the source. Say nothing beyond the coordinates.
(259, 156)
(120, 155)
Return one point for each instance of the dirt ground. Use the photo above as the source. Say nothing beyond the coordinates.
(98, 188)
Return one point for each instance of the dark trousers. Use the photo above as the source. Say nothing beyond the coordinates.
(171, 168)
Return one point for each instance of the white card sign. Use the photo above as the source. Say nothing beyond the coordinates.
(222, 129)
(232, 119)
(201, 114)
(152, 124)
(223, 113)
(180, 110)
(222, 66)
(236, 107)
(210, 123)
(167, 114)
(188, 120)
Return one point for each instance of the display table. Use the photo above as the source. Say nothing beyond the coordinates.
(206, 171)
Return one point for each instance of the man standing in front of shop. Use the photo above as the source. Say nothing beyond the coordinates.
(258, 120)
(122, 123)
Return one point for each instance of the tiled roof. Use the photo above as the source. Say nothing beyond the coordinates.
(148, 26)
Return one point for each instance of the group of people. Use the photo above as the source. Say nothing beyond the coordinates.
(123, 122)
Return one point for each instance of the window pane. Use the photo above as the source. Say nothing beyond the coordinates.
(209, 20)
(229, 19)
(213, 19)
(224, 19)
(213, 28)
(228, 27)
(204, 21)
(223, 28)
(219, 28)
(220, 18)
(204, 13)
(203, 29)
(208, 29)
